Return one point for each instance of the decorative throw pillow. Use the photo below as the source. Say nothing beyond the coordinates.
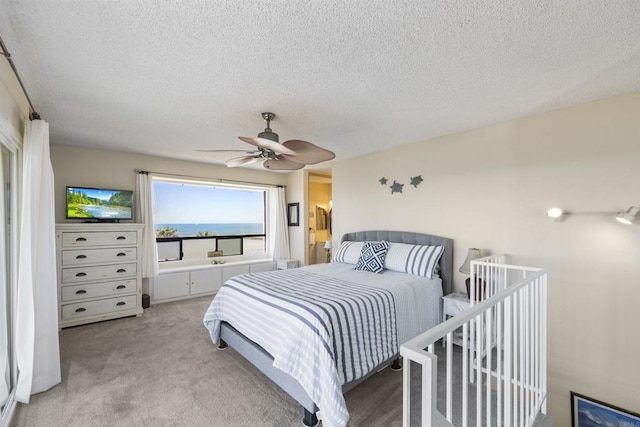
(348, 252)
(419, 260)
(372, 256)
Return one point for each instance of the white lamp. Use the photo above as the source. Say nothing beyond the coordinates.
(629, 216)
(327, 247)
(474, 253)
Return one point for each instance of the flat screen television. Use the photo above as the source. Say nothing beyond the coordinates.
(99, 204)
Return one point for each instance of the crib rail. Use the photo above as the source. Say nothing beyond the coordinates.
(497, 376)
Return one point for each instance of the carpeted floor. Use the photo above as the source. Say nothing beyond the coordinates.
(161, 369)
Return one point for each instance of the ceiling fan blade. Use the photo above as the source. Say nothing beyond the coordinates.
(242, 161)
(282, 165)
(268, 144)
(308, 153)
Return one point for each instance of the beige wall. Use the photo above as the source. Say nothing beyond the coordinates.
(490, 188)
(297, 190)
(87, 167)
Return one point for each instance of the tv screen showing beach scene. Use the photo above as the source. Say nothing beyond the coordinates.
(99, 203)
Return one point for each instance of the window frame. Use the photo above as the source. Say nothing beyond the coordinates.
(201, 182)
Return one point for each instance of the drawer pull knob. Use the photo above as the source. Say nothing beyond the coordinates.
(121, 270)
(121, 238)
(80, 292)
(121, 303)
(121, 254)
(81, 257)
(121, 286)
(81, 274)
(81, 239)
(80, 310)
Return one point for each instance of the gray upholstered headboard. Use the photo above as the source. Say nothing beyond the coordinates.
(446, 261)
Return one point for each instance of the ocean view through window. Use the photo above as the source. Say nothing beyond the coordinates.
(198, 220)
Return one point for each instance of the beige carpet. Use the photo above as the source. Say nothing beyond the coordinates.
(161, 369)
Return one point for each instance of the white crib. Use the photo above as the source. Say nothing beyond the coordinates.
(499, 373)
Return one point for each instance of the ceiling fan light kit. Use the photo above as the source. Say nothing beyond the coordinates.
(290, 155)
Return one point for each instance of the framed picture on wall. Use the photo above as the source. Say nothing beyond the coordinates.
(293, 214)
(588, 412)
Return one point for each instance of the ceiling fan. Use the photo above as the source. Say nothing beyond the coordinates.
(290, 155)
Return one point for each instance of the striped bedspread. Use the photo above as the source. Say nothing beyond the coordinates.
(323, 331)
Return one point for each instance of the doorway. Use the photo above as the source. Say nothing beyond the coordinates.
(320, 217)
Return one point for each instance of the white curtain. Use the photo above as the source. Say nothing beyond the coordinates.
(4, 315)
(37, 350)
(278, 230)
(145, 216)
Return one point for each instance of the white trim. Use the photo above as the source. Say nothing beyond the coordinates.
(213, 182)
(9, 409)
(11, 139)
(11, 135)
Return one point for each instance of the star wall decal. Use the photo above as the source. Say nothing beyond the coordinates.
(383, 181)
(416, 180)
(396, 187)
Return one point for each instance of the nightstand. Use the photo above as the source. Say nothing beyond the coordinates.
(453, 304)
(286, 264)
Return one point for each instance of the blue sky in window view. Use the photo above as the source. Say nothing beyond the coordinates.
(175, 203)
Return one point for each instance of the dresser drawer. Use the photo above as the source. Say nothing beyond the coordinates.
(98, 238)
(95, 256)
(94, 308)
(95, 290)
(100, 272)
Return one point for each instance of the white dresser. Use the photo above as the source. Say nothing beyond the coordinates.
(98, 272)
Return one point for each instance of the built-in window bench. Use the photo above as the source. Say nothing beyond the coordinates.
(180, 281)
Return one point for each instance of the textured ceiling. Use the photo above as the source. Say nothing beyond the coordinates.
(171, 77)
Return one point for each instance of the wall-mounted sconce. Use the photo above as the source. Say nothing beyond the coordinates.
(556, 214)
(627, 217)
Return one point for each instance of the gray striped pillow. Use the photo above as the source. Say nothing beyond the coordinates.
(419, 260)
(348, 252)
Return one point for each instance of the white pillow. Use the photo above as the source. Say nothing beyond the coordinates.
(348, 252)
(419, 260)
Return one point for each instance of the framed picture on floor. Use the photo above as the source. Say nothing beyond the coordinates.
(588, 412)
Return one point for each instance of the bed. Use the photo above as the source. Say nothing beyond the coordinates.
(319, 330)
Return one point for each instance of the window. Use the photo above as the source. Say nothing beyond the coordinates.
(197, 220)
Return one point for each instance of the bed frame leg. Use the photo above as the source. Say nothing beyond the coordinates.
(395, 365)
(309, 419)
(222, 345)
